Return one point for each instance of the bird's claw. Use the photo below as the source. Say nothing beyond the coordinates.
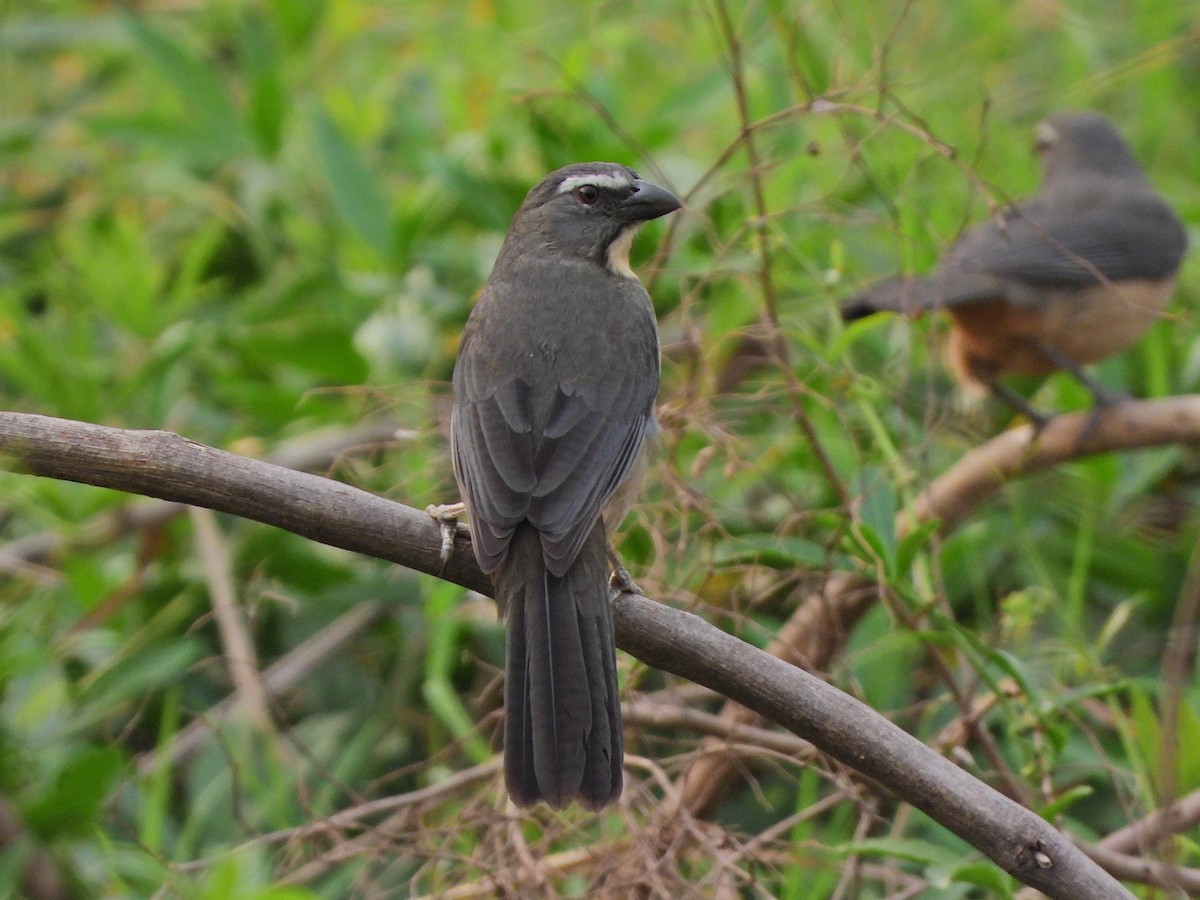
(447, 516)
(621, 581)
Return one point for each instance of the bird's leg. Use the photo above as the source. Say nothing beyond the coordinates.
(447, 516)
(620, 580)
(1103, 396)
(1005, 394)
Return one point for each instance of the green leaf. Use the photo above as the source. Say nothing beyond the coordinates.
(269, 100)
(913, 543)
(132, 676)
(356, 195)
(877, 515)
(297, 19)
(985, 875)
(1065, 801)
(72, 802)
(438, 689)
(210, 123)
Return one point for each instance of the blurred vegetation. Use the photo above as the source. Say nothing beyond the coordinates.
(252, 222)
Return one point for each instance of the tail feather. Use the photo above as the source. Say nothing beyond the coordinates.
(899, 294)
(562, 737)
(914, 296)
(605, 750)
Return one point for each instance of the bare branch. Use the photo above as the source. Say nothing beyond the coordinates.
(953, 496)
(1183, 814)
(1016, 839)
(164, 465)
(1144, 871)
(311, 452)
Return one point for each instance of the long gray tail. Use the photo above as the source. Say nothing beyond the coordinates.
(562, 730)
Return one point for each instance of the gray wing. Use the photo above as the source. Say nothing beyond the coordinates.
(1114, 229)
(552, 452)
(1119, 234)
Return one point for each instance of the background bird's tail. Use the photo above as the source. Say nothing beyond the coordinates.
(914, 296)
(900, 294)
(562, 731)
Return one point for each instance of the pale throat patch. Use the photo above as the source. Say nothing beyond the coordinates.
(597, 179)
(618, 253)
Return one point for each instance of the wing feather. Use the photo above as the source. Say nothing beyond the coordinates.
(548, 433)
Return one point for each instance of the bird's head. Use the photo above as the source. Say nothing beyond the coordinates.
(591, 211)
(1083, 142)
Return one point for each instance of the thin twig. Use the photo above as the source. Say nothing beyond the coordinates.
(1183, 814)
(358, 817)
(672, 715)
(766, 282)
(239, 649)
(280, 677)
(1144, 871)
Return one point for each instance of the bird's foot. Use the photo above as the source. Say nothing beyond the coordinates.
(622, 581)
(1106, 397)
(1039, 420)
(1008, 396)
(1105, 401)
(447, 516)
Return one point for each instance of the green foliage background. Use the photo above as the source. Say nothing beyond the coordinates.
(251, 221)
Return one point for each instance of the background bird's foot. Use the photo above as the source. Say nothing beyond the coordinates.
(447, 516)
(1102, 395)
(1106, 397)
(1011, 398)
(1039, 420)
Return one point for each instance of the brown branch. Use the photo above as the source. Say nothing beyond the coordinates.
(817, 632)
(311, 452)
(164, 465)
(1144, 871)
(1179, 816)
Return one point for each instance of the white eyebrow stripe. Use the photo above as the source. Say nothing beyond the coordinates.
(599, 179)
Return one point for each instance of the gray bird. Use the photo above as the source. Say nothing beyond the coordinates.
(1071, 275)
(553, 403)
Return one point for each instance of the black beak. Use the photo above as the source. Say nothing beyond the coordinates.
(648, 201)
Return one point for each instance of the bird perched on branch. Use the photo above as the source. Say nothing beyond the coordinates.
(554, 394)
(1071, 275)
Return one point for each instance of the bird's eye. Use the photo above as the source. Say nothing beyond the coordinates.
(587, 194)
